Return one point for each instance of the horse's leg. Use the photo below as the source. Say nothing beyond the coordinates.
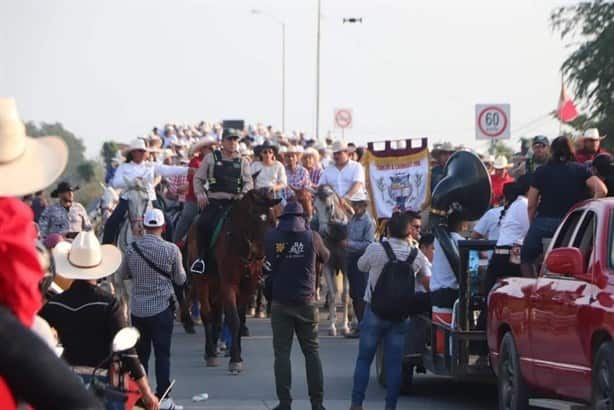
(232, 319)
(331, 293)
(208, 318)
(345, 301)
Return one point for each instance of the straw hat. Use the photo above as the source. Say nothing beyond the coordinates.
(26, 164)
(136, 145)
(85, 258)
(167, 153)
(592, 134)
(500, 162)
(339, 146)
(201, 143)
(360, 196)
(294, 149)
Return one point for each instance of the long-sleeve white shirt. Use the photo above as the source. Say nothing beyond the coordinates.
(148, 172)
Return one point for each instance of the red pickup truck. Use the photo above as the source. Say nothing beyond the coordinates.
(551, 336)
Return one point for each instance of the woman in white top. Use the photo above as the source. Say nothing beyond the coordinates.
(269, 173)
(513, 226)
(136, 168)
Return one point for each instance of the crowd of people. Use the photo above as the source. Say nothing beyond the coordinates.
(202, 170)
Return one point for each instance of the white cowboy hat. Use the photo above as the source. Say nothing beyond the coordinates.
(137, 145)
(339, 146)
(201, 143)
(26, 164)
(167, 153)
(294, 149)
(85, 258)
(592, 134)
(500, 162)
(360, 196)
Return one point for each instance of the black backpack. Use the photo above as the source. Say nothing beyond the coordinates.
(395, 287)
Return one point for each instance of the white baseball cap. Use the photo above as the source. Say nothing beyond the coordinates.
(154, 218)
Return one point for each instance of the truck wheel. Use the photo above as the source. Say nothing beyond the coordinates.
(380, 368)
(603, 377)
(407, 379)
(512, 389)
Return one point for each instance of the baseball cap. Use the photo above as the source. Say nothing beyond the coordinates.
(540, 139)
(154, 218)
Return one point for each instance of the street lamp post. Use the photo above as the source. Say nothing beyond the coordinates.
(283, 64)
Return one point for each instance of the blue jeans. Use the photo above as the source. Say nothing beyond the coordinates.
(108, 404)
(358, 284)
(541, 227)
(156, 330)
(374, 330)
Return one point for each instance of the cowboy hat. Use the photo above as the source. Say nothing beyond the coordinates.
(444, 147)
(360, 196)
(500, 162)
(592, 134)
(26, 164)
(201, 143)
(63, 187)
(167, 153)
(266, 145)
(294, 149)
(136, 145)
(85, 258)
(339, 146)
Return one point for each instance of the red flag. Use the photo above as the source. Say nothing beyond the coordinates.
(567, 110)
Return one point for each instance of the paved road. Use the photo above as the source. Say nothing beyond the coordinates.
(254, 389)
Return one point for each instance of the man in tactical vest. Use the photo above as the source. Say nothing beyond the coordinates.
(541, 154)
(228, 177)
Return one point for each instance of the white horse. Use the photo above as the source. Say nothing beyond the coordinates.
(104, 208)
(332, 221)
(131, 229)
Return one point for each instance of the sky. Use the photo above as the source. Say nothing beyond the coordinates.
(113, 69)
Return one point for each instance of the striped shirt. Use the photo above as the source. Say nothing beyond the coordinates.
(152, 292)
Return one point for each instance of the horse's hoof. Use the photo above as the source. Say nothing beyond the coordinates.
(189, 328)
(346, 331)
(262, 314)
(212, 362)
(332, 331)
(235, 368)
(251, 312)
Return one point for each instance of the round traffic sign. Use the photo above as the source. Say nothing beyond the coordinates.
(343, 118)
(492, 121)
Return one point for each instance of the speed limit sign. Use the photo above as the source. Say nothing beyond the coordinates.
(492, 121)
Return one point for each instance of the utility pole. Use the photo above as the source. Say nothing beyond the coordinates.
(317, 131)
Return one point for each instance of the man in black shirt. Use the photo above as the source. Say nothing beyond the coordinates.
(291, 252)
(87, 317)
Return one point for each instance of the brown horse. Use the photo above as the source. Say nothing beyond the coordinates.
(239, 256)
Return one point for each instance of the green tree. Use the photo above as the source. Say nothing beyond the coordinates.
(87, 170)
(590, 67)
(502, 149)
(108, 151)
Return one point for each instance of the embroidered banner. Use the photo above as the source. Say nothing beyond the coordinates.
(397, 179)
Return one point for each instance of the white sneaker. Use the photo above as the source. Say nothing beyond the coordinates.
(169, 404)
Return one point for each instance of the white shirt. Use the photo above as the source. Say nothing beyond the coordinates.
(515, 223)
(148, 171)
(342, 180)
(374, 259)
(442, 275)
(488, 225)
(273, 174)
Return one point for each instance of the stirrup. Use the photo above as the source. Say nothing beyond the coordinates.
(198, 267)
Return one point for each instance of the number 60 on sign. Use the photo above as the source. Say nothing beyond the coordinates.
(492, 121)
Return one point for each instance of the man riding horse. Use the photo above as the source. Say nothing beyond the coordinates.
(228, 177)
(135, 168)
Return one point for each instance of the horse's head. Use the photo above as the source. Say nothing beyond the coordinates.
(138, 202)
(329, 209)
(258, 204)
(304, 197)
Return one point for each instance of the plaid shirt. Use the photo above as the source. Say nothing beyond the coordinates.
(298, 179)
(152, 292)
(176, 182)
(314, 175)
(56, 219)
